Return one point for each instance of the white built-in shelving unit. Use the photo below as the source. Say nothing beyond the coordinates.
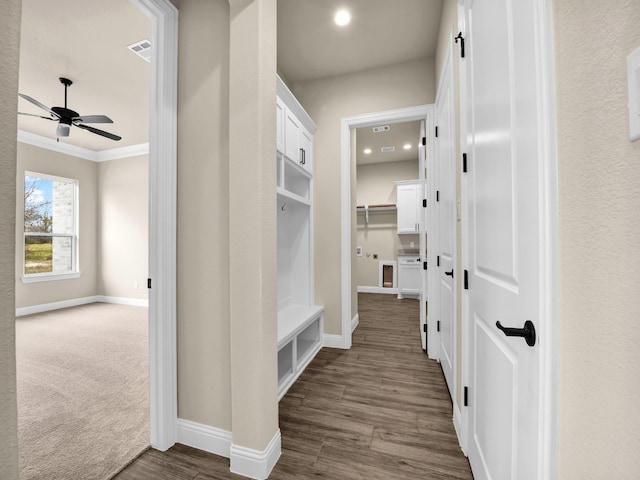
(300, 322)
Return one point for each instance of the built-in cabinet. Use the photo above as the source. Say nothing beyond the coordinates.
(300, 322)
(409, 201)
(409, 280)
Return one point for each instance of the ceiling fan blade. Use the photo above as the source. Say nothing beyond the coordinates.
(92, 119)
(39, 116)
(98, 132)
(38, 104)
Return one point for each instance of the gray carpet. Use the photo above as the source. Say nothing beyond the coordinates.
(83, 391)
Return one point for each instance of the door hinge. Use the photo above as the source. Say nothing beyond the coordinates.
(437, 195)
(424, 265)
(424, 141)
(464, 163)
(438, 260)
(148, 283)
(438, 325)
(461, 38)
(424, 328)
(424, 203)
(436, 132)
(466, 396)
(466, 280)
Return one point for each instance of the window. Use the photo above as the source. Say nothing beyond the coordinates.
(49, 227)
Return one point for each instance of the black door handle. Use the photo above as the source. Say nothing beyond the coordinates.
(449, 273)
(528, 332)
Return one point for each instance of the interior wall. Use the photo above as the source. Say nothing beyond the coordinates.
(327, 101)
(204, 380)
(9, 42)
(39, 160)
(123, 227)
(599, 223)
(375, 186)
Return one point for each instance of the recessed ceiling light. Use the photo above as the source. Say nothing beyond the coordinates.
(342, 18)
(367, 151)
(407, 146)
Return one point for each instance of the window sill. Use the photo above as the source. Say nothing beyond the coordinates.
(48, 277)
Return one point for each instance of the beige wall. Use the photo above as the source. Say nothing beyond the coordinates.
(327, 101)
(376, 185)
(123, 227)
(599, 260)
(203, 214)
(39, 160)
(9, 42)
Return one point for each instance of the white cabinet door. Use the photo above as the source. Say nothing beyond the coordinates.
(280, 109)
(292, 136)
(407, 200)
(306, 149)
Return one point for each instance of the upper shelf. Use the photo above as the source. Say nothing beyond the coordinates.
(387, 207)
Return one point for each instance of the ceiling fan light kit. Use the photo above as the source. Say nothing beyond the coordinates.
(67, 117)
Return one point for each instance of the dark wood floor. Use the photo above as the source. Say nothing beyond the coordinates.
(378, 411)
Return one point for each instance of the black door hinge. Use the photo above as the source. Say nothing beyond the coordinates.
(438, 260)
(424, 265)
(424, 203)
(424, 141)
(466, 280)
(424, 328)
(466, 396)
(148, 283)
(436, 132)
(461, 38)
(464, 163)
(438, 325)
(437, 195)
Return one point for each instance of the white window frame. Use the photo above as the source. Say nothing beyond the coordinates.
(51, 276)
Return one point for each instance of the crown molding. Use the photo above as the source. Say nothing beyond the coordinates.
(81, 152)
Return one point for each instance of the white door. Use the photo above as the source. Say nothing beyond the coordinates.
(445, 230)
(504, 92)
(422, 162)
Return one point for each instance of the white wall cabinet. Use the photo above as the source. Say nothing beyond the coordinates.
(300, 322)
(409, 202)
(409, 280)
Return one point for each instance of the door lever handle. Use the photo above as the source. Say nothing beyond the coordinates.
(528, 332)
(449, 273)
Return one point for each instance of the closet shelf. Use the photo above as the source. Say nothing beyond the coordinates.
(285, 196)
(366, 209)
(296, 167)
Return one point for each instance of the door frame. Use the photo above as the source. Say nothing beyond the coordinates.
(420, 112)
(548, 341)
(163, 111)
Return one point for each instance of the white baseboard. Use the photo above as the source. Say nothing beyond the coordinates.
(354, 322)
(253, 463)
(204, 437)
(47, 307)
(74, 302)
(390, 291)
(332, 341)
(135, 302)
(457, 425)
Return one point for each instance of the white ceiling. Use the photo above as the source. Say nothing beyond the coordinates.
(85, 41)
(399, 135)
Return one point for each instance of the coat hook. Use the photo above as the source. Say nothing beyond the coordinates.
(284, 205)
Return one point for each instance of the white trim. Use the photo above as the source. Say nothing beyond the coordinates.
(332, 341)
(355, 321)
(81, 152)
(49, 277)
(254, 463)
(394, 277)
(390, 291)
(206, 438)
(163, 100)
(458, 426)
(74, 302)
(347, 123)
(47, 307)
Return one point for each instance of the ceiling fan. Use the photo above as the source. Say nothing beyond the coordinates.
(66, 117)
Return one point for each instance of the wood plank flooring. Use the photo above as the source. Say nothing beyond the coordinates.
(378, 411)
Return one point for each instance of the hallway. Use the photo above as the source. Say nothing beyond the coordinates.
(378, 411)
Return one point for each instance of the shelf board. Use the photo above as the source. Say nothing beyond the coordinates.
(296, 167)
(293, 319)
(285, 194)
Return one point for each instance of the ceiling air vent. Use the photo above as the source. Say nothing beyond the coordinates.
(388, 149)
(142, 49)
(381, 128)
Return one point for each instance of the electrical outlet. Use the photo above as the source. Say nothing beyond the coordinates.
(359, 251)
